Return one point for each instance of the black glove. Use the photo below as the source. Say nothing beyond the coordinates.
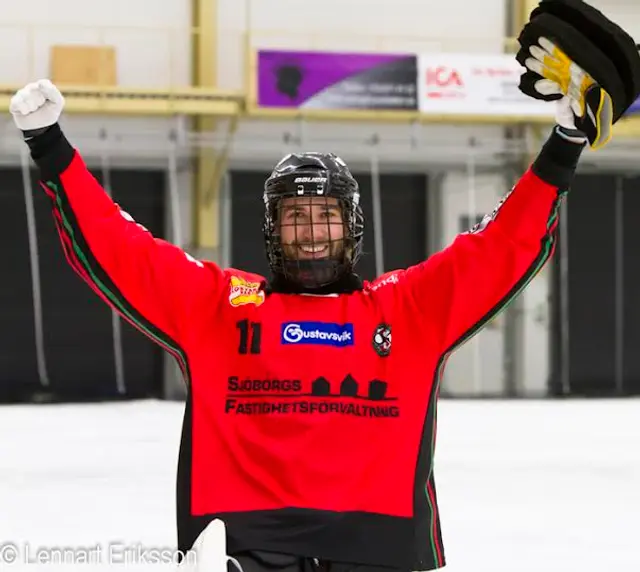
(572, 51)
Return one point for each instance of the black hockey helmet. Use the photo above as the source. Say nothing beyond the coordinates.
(310, 177)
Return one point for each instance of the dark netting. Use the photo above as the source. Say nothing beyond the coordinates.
(313, 242)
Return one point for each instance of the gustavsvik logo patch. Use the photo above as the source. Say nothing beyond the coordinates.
(317, 333)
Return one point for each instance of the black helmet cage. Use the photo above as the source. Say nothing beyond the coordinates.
(313, 175)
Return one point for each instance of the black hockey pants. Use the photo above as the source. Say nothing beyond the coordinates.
(271, 562)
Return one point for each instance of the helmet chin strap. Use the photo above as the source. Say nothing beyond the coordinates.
(312, 274)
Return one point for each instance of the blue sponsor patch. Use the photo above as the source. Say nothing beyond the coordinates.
(318, 333)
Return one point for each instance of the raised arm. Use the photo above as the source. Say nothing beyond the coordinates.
(461, 288)
(592, 74)
(151, 283)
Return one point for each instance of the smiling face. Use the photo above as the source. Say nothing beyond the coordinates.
(311, 228)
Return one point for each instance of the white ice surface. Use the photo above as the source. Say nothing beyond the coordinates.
(526, 486)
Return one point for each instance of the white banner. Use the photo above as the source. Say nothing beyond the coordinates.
(475, 84)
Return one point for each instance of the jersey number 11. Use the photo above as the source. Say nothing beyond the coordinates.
(250, 336)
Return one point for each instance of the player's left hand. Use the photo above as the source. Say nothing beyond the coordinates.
(575, 55)
(583, 104)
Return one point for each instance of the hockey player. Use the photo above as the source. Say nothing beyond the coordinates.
(310, 421)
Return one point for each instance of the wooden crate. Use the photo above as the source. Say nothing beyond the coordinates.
(83, 65)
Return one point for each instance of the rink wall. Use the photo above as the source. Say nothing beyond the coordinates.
(469, 166)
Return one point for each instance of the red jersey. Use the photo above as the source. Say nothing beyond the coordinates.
(310, 423)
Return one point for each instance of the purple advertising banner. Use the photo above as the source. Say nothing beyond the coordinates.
(635, 107)
(327, 80)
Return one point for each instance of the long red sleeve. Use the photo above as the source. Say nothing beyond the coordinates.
(468, 283)
(148, 281)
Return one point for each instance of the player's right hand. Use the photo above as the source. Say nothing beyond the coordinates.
(36, 106)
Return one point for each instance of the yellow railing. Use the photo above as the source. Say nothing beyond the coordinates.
(144, 101)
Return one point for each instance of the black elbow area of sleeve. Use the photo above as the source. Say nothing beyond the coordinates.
(558, 160)
(50, 150)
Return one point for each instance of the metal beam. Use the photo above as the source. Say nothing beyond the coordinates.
(206, 181)
(142, 101)
(628, 127)
(208, 106)
(521, 12)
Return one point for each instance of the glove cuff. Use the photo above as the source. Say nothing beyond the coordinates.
(31, 133)
(50, 150)
(572, 135)
(558, 160)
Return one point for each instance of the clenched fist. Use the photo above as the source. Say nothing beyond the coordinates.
(36, 106)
